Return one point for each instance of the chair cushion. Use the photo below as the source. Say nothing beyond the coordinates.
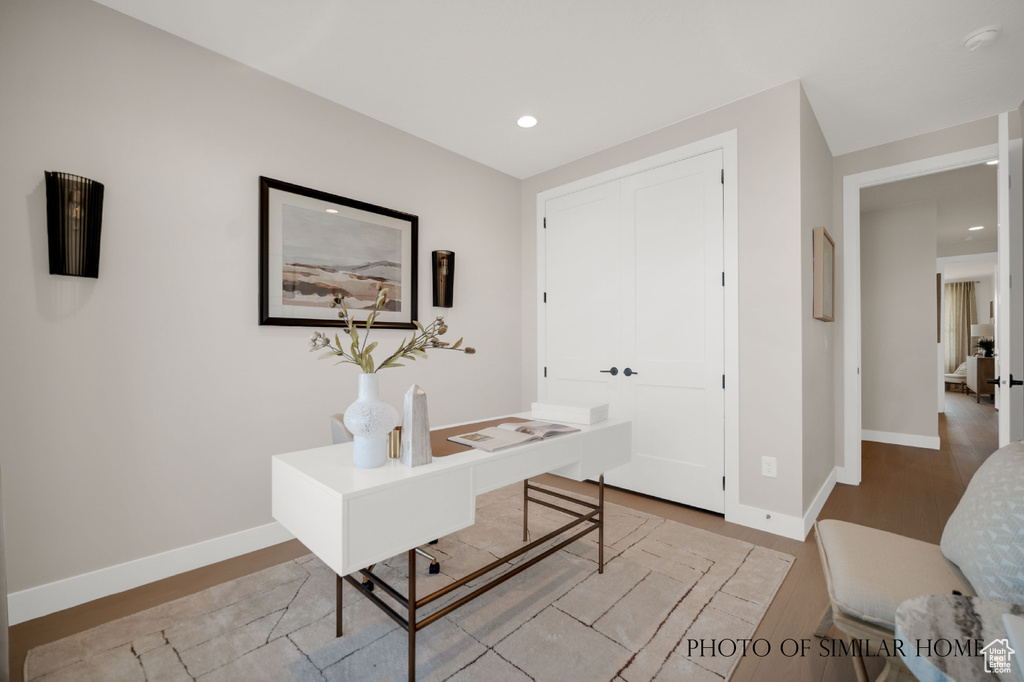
(985, 534)
(955, 379)
(869, 572)
(961, 370)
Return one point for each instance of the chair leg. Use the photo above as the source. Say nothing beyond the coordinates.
(858, 663)
(435, 566)
(895, 670)
(826, 622)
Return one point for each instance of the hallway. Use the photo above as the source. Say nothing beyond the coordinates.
(969, 431)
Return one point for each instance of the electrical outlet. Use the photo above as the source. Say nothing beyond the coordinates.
(769, 467)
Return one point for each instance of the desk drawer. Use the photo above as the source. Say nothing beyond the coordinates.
(388, 521)
(309, 511)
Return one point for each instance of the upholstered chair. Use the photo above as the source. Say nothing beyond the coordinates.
(870, 572)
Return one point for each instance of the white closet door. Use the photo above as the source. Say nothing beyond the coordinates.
(673, 218)
(633, 274)
(584, 288)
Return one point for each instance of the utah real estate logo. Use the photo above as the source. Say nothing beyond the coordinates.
(998, 657)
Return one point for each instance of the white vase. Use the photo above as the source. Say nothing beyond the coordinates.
(370, 420)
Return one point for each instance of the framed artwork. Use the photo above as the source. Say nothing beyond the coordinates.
(824, 275)
(315, 245)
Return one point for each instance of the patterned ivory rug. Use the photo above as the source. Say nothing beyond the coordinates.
(664, 583)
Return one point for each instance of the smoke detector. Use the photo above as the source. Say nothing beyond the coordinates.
(983, 37)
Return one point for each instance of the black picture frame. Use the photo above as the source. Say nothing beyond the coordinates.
(314, 245)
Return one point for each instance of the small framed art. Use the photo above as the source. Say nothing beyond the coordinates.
(315, 246)
(824, 275)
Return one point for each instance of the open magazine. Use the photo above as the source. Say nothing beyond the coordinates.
(513, 433)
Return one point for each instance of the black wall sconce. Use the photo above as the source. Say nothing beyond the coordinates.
(444, 278)
(74, 211)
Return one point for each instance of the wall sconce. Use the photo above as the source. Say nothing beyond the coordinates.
(444, 278)
(74, 210)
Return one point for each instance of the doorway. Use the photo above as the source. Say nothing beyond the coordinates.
(911, 231)
(1009, 215)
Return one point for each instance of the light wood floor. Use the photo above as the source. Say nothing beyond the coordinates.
(904, 490)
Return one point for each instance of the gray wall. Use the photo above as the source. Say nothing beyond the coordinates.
(818, 355)
(134, 405)
(898, 310)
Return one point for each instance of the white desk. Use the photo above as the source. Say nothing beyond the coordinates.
(352, 518)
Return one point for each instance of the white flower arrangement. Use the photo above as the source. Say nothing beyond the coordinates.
(360, 351)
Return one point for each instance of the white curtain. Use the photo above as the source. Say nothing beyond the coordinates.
(961, 313)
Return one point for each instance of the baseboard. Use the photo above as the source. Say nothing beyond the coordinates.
(846, 475)
(62, 594)
(819, 501)
(762, 519)
(913, 440)
(793, 527)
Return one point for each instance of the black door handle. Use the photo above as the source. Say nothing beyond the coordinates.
(629, 372)
(1015, 382)
(993, 381)
(613, 371)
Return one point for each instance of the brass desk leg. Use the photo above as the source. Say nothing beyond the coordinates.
(337, 619)
(600, 525)
(412, 615)
(526, 506)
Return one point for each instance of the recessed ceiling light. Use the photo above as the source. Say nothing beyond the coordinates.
(978, 227)
(981, 38)
(992, 162)
(527, 122)
(332, 210)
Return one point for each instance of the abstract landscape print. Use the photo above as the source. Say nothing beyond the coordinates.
(316, 246)
(327, 254)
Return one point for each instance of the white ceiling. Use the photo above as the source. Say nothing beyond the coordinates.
(965, 197)
(970, 269)
(598, 72)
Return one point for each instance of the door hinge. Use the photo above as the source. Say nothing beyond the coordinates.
(723, 381)
(723, 176)
(545, 372)
(723, 279)
(545, 222)
(545, 297)
(723, 482)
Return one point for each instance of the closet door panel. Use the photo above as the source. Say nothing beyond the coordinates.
(583, 284)
(673, 218)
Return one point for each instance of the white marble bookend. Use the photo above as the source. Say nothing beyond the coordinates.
(416, 429)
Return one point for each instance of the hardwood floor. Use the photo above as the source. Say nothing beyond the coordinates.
(904, 490)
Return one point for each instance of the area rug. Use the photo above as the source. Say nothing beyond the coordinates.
(664, 584)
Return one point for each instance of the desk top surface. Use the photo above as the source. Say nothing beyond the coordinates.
(333, 468)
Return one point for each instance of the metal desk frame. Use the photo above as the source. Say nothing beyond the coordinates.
(594, 519)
